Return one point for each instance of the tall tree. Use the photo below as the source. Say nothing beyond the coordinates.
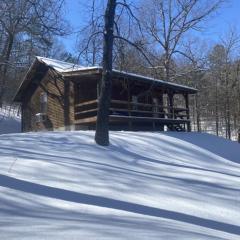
(26, 21)
(102, 127)
(167, 22)
(217, 60)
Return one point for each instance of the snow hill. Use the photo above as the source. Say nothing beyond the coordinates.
(10, 122)
(61, 185)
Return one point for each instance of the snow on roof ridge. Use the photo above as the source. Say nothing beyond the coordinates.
(62, 66)
(58, 65)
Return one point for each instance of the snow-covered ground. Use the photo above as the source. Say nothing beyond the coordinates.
(61, 185)
(10, 121)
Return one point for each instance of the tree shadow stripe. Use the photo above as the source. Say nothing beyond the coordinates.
(57, 193)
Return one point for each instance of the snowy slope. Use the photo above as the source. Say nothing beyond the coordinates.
(60, 185)
(9, 121)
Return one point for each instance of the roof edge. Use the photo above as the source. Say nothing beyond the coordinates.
(26, 80)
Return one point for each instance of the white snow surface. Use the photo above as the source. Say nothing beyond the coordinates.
(61, 185)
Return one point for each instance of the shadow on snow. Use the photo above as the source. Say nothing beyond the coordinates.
(82, 198)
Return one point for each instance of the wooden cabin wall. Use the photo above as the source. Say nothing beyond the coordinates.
(56, 107)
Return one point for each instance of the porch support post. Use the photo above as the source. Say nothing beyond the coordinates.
(66, 104)
(170, 109)
(171, 103)
(129, 106)
(98, 89)
(188, 115)
(161, 109)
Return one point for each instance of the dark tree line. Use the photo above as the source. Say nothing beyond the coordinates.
(27, 28)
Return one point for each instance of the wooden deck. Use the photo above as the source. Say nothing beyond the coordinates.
(123, 112)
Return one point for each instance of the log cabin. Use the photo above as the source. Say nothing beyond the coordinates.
(56, 95)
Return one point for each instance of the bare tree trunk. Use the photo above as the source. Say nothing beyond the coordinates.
(228, 119)
(167, 68)
(225, 120)
(102, 126)
(216, 109)
(4, 69)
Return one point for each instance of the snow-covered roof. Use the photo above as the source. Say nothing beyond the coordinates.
(59, 66)
(64, 67)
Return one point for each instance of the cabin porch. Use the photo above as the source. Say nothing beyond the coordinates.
(135, 105)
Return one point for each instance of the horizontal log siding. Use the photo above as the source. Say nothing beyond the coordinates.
(55, 111)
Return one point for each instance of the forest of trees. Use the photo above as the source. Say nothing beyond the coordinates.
(159, 38)
(28, 28)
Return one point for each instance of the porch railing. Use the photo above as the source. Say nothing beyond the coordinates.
(131, 109)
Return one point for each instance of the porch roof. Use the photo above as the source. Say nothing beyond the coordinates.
(69, 69)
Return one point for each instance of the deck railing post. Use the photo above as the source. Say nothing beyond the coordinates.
(161, 109)
(171, 103)
(129, 106)
(187, 111)
(66, 105)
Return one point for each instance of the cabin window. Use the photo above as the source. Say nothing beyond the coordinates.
(43, 102)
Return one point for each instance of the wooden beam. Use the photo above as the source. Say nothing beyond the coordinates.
(86, 111)
(86, 103)
(86, 120)
(160, 120)
(146, 105)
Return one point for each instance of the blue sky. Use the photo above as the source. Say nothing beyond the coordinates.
(228, 15)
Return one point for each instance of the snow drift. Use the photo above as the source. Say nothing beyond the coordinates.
(144, 186)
